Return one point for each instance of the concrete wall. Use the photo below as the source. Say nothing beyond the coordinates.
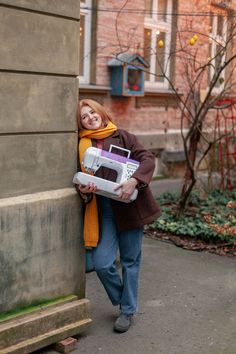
(40, 228)
(40, 252)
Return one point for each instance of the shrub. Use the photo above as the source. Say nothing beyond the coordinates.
(211, 219)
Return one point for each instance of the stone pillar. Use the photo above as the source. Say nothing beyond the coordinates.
(41, 253)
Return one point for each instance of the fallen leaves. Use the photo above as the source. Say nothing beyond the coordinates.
(188, 243)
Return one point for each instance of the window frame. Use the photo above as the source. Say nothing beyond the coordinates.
(85, 10)
(216, 40)
(154, 24)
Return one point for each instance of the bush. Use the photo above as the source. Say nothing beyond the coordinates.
(211, 219)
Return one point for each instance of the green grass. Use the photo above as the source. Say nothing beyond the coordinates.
(35, 307)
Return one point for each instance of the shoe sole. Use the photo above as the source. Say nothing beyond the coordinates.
(120, 330)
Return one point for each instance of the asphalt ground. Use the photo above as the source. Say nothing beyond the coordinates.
(187, 305)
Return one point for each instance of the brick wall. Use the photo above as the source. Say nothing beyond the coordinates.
(117, 32)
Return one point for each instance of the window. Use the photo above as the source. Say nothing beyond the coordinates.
(157, 38)
(217, 42)
(85, 41)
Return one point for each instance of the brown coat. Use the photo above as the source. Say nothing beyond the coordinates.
(144, 209)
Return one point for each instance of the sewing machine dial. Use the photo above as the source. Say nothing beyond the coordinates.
(131, 168)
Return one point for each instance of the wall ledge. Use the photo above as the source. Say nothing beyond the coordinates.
(36, 197)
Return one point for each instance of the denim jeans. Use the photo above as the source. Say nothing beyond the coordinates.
(123, 290)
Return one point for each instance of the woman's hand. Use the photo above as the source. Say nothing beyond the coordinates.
(127, 188)
(89, 188)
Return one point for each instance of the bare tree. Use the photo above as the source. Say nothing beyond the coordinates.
(207, 67)
(207, 81)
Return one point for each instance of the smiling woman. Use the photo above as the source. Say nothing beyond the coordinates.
(91, 109)
(109, 224)
(90, 119)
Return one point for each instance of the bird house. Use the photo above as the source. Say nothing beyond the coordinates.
(127, 74)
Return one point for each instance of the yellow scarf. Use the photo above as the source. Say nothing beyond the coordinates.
(91, 222)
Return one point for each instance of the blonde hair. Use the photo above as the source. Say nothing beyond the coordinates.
(97, 107)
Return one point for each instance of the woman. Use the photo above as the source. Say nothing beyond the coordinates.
(111, 225)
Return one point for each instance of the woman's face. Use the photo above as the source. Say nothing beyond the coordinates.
(90, 119)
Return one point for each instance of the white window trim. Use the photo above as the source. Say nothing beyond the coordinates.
(216, 39)
(85, 9)
(153, 24)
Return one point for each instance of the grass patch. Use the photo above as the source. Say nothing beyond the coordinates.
(35, 307)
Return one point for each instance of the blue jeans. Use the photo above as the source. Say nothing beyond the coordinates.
(123, 290)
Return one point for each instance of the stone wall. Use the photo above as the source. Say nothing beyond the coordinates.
(41, 257)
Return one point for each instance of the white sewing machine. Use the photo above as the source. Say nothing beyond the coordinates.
(95, 158)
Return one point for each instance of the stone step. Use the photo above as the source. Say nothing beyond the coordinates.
(43, 327)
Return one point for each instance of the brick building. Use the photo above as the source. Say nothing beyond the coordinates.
(155, 30)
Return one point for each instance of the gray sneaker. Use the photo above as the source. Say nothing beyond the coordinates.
(122, 323)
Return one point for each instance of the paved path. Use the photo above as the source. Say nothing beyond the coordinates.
(187, 306)
(165, 185)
